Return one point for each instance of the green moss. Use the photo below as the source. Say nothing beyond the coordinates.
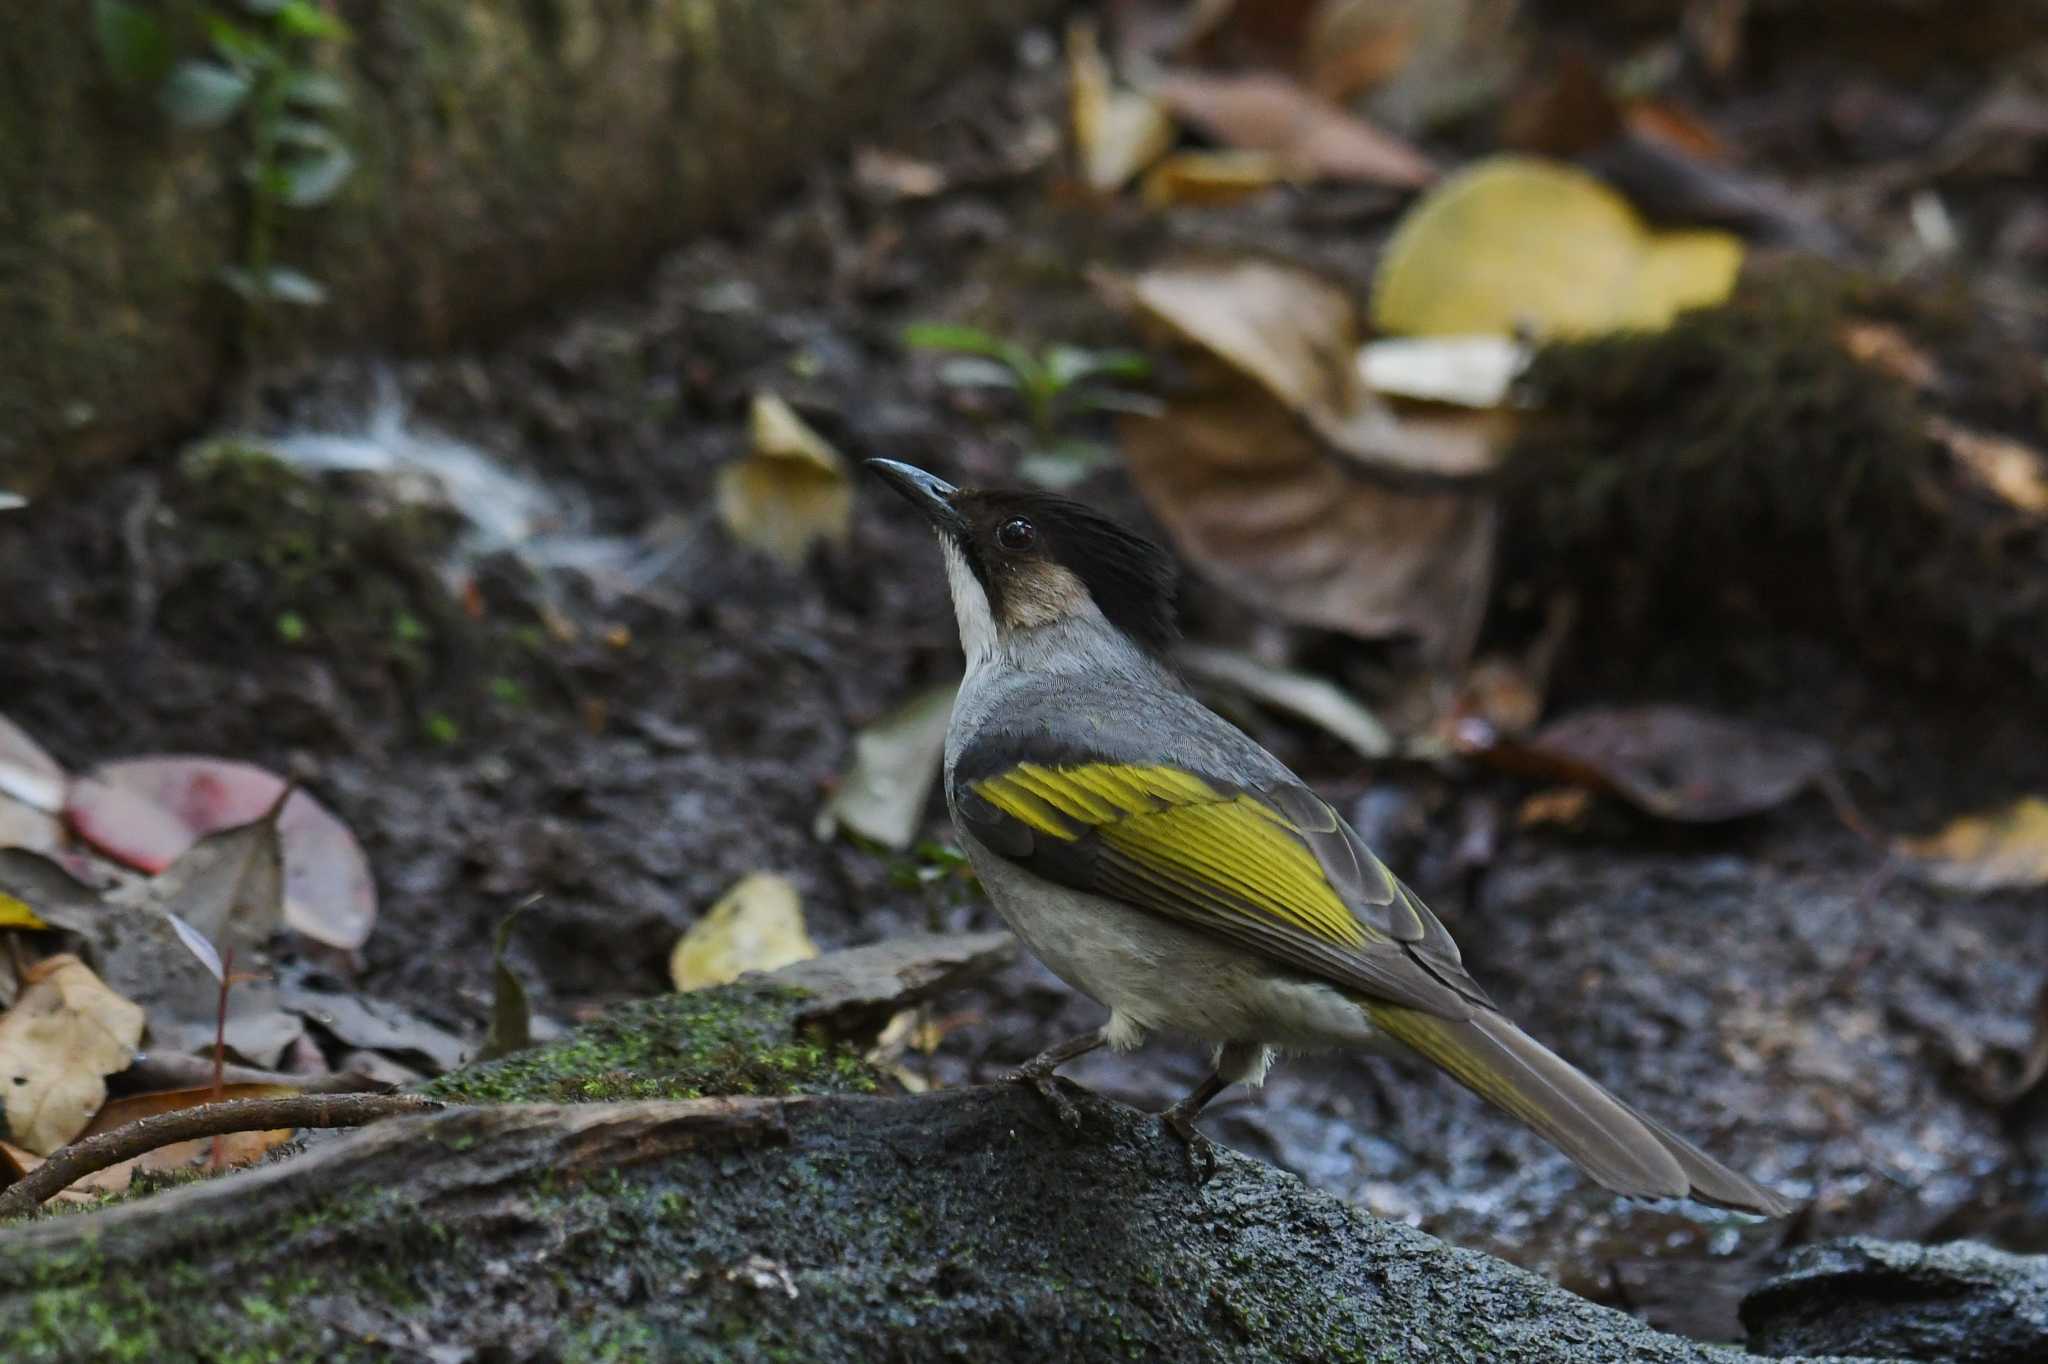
(739, 1039)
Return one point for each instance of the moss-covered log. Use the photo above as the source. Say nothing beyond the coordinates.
(800, 1216)
(955, 1225)
(505, 152)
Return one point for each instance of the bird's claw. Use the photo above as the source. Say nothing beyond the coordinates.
(1049, 1090)
(1199, 1151)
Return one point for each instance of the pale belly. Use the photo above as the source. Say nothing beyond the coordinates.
(1153, 974)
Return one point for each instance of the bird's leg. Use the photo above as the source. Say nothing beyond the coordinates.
(1180, 1120)
(1038, 1073)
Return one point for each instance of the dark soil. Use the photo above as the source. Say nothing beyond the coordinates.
(1763, 986)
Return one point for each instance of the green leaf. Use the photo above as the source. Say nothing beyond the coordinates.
(131, 41)
(317, 176)
(315, 90)
(202, 94)
(265, 7)
(303, 20)
(239, 47)
(946, 336)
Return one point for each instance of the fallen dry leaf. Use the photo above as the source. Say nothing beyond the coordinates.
(1264, 112)
(1117, 132)
(2017, 474)
(758, 925)
(380, 1025)
(1295, 335)
(16, 912)
(1888, 350)
(1307, 697)
(1353, 45)
(65, 1034)
(1672, 761)
(24, 826)
(148, 812)
(1560, 805)
(1465, 371)
(1516, 245)
(134, 1107)
(228, 890)
(1995, 850)
(895, 762)
(1251, 498)
(1210, 178)
(790, 491)
(27, 773)
(890, 175)
(1265, 473)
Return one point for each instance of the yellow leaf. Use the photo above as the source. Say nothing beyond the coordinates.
(1989, 851)
(757, 926)
(895, 762)
(1211, 177)
(65, 1034)
(1117, 132)
(1516, 244)
(790, 491)
(15, 913)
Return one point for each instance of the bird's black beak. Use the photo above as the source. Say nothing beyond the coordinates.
(929, 494)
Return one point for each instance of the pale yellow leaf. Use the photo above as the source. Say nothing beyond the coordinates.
(1211, 178)
(1990, 851)
(758, 925)
(65, 1034)
(1517, 245)
(790, 491)
(1117, 132)
(895, 762)
(15, 913)
(1465, 371)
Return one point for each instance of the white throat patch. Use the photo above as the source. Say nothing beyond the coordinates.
(970, 606)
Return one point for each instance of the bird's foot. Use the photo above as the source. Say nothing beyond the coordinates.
(1040, 1078)
(1198, 1149)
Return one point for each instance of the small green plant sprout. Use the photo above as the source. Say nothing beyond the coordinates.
(260, 71)
(1056, 383)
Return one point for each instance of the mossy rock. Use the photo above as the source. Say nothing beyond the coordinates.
(736, 1039)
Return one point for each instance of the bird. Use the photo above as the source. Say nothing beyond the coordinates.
(1161, 862)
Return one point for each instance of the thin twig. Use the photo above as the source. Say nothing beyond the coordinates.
(72, 1163)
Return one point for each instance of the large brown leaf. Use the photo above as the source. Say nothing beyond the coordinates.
(1264, 112)
(1673, 761)
(58, 1044)
(1270, 473)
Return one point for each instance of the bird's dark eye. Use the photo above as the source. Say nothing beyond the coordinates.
(1016, 533)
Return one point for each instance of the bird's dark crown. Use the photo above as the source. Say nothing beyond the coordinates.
(1130, 579)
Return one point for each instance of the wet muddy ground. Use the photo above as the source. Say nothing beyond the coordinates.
(626, 754)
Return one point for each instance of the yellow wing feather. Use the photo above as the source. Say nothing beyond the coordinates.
(1180, 827)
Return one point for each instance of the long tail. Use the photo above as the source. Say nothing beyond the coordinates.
(1610, 1141)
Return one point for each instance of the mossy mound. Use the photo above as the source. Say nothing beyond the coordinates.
(1745, 468)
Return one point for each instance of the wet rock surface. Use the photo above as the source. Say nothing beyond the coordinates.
(1950, 1304)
